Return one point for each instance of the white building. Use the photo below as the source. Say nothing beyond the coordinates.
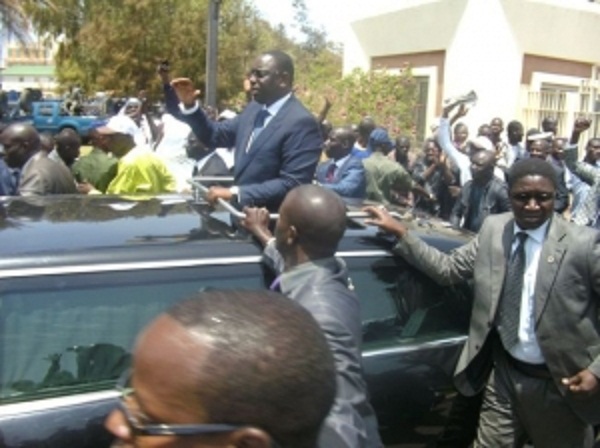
(27, 66)
(526, 59)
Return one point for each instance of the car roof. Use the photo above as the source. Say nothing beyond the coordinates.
(76, 229)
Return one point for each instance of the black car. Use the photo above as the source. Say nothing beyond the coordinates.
(80, 276)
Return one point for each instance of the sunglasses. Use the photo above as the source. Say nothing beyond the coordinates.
(260, 73)
(141, 425)
(527, 197)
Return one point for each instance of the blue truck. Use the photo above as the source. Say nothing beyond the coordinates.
(50, 116)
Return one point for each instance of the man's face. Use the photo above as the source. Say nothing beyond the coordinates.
(118, 144)
(461, 134)
(484, 131)
(194, 148)
(593, 150)
(532, 201)
(515, 134)
(335, 145)
(133, 110)
(550, 125)
(496, 127)
(16, 152)
(432, 153)
(160, 396)
(482, 166)
(402, 145)
(538, 149)
(558, 147)
(267, 84)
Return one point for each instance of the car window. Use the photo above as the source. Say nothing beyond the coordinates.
(45, 110)
(401, 305)
(66, 334)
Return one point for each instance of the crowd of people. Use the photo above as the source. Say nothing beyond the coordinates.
(533, 352)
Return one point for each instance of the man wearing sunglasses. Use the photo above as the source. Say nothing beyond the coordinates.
(534, 338)
(227, 369)
(277, 141)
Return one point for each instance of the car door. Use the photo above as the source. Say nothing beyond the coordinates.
(66, 335)
(413, 330)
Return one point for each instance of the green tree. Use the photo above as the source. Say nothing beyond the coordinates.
(15, 20)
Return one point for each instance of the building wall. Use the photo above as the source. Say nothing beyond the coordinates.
(495, 47)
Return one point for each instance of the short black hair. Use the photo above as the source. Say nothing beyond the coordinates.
(268, 366)
(366, 126)
(513, 125)
(531, 167)
(283, 61)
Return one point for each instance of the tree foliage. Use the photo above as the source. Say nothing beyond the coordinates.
(115, 45)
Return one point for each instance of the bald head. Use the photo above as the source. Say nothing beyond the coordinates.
(20, 141)
(251, 358)
(312, 218)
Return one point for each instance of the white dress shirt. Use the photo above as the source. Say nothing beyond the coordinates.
(528, 349)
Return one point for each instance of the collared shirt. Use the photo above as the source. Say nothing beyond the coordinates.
(527, 349)
(274, 108)
(141, 171)
(338, 163)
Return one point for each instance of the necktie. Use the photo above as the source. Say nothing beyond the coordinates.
(259, 125)
(510, 302)
(259, 122)
(330, 173)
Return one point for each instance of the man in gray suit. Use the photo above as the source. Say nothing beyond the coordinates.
(39, 175)
(534, 338)
(311, 223)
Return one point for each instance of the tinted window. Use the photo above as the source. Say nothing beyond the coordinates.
(400, 305)
(73, 333)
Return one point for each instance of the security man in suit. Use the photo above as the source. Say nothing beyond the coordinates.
(302, 250)
(277, 141)
(534, 337)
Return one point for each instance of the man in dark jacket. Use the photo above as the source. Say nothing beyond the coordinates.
(312, 221)
(483, 195)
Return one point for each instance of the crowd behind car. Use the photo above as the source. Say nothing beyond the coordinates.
(274, 145)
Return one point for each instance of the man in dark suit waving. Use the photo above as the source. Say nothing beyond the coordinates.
(277, 141)
(534, 338)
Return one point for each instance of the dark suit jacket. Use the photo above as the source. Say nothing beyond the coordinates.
(567, 293)
(561, 203)
(283, 156)
(322, 288)
(348, 180)
(41, 176)
(494, 200)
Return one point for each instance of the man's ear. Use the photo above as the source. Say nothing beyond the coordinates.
(292, 235)
(249, 438)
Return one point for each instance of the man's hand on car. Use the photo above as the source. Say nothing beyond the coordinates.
(257, 223)
(386, 222)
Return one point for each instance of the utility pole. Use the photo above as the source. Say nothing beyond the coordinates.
(212, 50)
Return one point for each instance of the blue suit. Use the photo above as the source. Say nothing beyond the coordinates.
(283, 156)
(348, 180)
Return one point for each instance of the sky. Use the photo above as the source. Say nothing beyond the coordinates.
(334, 15)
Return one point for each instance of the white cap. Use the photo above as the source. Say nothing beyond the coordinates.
(119, 124)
